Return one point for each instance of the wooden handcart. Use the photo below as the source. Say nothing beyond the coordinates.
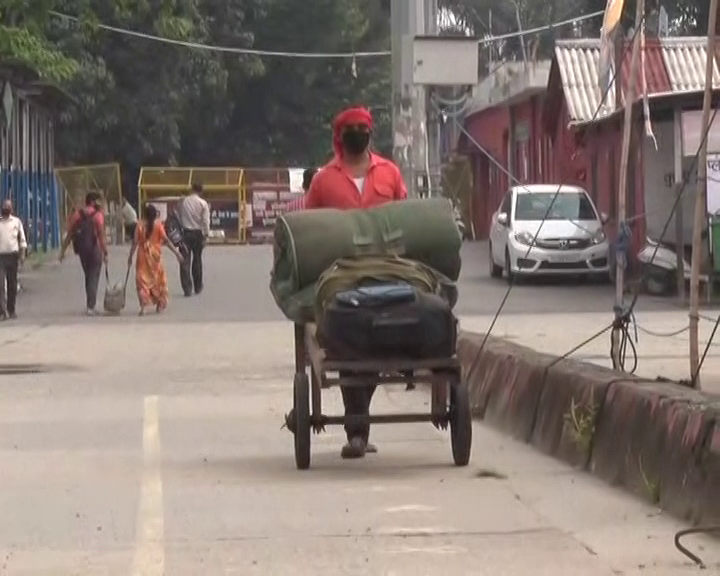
(450, 403)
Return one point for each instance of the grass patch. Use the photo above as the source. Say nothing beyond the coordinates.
(651, 488)
(580, 423)
(490, 474)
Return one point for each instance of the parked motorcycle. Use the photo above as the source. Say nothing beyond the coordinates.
(658, 263)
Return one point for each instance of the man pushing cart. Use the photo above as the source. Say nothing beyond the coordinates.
(403, 303)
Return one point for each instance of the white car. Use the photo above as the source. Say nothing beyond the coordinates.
(548, 229)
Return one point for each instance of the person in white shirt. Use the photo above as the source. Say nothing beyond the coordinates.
(130, 218)
(194, 215)
(13, 248)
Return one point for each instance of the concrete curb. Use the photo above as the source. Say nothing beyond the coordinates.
(660, 441)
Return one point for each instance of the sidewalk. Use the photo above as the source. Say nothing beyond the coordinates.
(662, 340)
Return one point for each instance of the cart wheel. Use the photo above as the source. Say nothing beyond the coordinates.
(460, 424)
(301, 406)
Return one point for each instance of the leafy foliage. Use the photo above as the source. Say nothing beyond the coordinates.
(139, 101)
(22, 40)
(496, 17)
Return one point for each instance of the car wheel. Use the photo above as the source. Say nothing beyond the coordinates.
(509, 276)
(495, 270)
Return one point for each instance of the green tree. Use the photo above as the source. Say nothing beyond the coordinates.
(283, 117)
(139, 101)
(23, 39)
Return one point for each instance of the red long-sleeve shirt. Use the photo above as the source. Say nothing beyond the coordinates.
(335, 187)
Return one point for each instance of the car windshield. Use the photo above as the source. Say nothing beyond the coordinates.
(567, 206)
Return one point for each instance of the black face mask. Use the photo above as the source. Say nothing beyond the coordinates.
(355, 142)
(5, 212)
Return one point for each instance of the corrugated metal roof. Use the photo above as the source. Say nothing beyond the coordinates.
(578, 66)
(672, 66)
(685, 64)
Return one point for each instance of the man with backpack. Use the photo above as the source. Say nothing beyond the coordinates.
(86, 233)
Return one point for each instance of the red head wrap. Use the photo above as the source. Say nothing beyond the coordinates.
(349, 117)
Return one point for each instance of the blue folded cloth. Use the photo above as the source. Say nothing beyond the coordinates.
(376, 295)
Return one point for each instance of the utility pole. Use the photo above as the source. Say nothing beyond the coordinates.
(408, 101)
(700, 219)
(399, 28)
(624, 158)
(433, 160)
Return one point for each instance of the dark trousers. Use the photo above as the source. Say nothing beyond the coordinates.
(185, 274)
(195, 242)
(357, 403)
(9, 264)
(92, 267)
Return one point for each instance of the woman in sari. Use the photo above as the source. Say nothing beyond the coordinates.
(150, 276)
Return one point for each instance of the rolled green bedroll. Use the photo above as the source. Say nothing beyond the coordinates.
(307, 242)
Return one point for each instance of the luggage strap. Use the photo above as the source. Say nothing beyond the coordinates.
(347, 273)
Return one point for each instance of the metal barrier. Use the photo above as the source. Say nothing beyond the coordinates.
(76, 181)
(224, 190)
(27, 155)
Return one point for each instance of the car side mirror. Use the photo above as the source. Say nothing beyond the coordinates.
(502, 219)
(604, 218)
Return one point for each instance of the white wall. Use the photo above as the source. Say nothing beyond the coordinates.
(659, 167)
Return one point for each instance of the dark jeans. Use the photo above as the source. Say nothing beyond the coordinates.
(357, 403)
(92, 267)
(9, 264)
(195, 242)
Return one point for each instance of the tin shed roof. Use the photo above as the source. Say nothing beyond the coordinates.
(672, 66)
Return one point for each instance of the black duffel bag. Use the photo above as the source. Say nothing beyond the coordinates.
(391, 320)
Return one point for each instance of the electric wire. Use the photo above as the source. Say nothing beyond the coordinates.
(700, 530)
(627, 317)
(679, 196)
(519, 184)
(624, 318)
(671, 334)
(305, 55)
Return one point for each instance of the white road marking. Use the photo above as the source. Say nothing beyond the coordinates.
(410, 508)
(377, 489)
(439, 550)
(416, 531)
(149, 559)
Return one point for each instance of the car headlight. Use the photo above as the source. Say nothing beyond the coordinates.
(525, 238)
(599, 237)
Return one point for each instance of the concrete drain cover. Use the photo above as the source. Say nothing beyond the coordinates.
(19, 369)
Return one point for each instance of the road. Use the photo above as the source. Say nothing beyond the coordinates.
(238, 278)
(153, 446)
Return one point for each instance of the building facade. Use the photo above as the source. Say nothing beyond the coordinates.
(569, 131)
(27, 152)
